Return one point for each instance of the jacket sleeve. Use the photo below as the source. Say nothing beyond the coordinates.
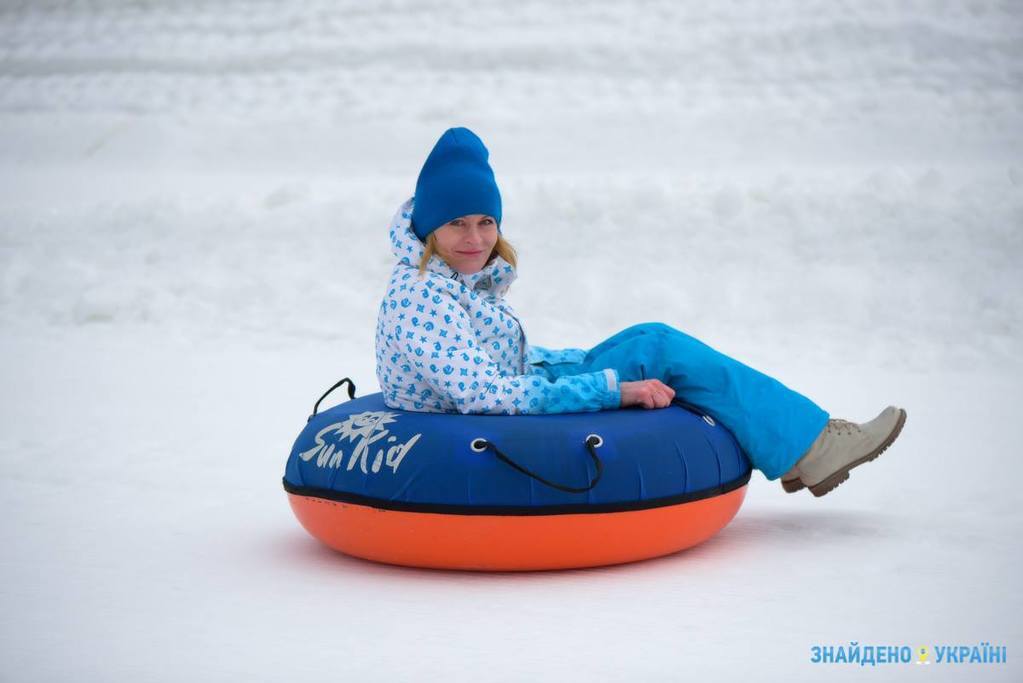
(452, 363)
(537, 355)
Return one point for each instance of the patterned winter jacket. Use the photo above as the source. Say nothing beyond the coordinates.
(449, 343)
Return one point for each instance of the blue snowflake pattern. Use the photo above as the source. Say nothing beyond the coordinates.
(467, 346)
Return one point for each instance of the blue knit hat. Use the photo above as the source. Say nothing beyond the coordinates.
(456, 180)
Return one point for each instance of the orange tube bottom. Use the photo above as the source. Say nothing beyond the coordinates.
(513, 542)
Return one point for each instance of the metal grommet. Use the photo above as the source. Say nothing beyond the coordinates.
(709, 420)
(600, 441)
(482, 444)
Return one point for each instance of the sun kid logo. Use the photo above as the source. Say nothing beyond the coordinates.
(368, 427)
(982, 653)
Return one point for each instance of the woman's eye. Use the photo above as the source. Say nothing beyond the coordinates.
(460, 223)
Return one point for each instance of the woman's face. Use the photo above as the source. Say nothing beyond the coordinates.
(466, 242)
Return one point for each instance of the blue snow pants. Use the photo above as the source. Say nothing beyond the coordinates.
(773, 424)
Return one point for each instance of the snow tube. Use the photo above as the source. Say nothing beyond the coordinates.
(505, 493)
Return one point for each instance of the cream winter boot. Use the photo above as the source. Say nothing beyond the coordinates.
(841, 446)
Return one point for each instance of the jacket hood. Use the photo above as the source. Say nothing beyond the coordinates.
(494, 279)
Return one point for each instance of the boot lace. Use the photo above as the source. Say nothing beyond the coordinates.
(837, 426)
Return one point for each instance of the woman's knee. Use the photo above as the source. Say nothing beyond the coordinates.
(656, 334)
(663, 328)
(671, 341)
(654, 341)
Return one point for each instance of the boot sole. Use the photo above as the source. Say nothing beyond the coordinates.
(792, 485)
(838, 477)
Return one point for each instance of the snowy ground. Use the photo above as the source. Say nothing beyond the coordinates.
(193, 208)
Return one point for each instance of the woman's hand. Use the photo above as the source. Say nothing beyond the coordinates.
(649, 393)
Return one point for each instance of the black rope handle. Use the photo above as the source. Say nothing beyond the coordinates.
(696, 410)
(688, 406)
(351, 394)
(592, 441)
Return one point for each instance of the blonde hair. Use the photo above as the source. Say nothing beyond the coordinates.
(503, 248)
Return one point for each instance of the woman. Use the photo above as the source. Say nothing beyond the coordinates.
(447, 341)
